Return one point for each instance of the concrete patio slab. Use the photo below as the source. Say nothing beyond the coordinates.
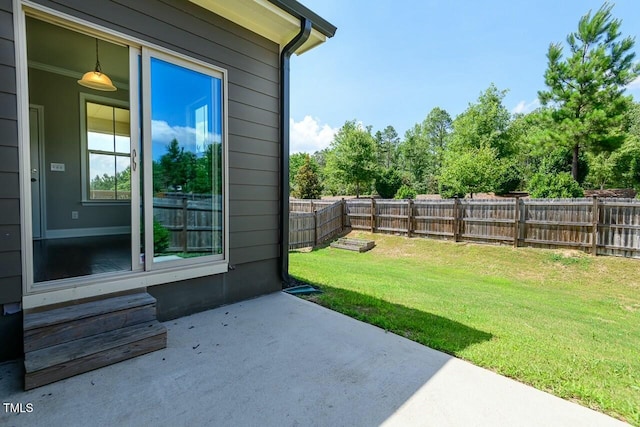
(282, 361)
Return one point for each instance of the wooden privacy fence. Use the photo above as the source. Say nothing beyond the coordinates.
(193, 225)
(315, 222)
(607, 226)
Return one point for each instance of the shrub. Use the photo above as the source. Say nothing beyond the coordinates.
(509, 178)
(307, 182)
(160, 237)
(447, 192)
(406, 192)
(388, 182)
(548, 186)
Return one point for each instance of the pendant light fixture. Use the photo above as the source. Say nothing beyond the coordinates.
(96, 79)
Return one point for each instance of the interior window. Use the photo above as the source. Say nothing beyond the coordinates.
(108, 141)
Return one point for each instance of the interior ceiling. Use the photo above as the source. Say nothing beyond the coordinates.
(54, 46)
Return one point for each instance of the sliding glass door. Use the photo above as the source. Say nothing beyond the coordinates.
(134, 179)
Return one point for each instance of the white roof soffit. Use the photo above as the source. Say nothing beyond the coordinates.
(263, 18)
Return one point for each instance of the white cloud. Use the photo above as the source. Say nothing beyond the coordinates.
(634, 85)
(524, 107)
(308, 136)
(191, 138)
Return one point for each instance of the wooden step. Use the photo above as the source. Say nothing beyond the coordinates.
(65, 324)
(358, 245)
(64, 360)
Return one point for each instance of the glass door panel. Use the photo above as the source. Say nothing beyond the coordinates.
(86, 187)
(186, 150)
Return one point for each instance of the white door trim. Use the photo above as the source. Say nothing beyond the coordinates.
(42, 168)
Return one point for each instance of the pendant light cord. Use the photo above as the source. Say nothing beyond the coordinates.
(98, 67)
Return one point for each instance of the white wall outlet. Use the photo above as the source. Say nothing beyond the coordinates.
(74, 215)
(57, 167)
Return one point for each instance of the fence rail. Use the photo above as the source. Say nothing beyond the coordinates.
(193, 225)
(607, 226)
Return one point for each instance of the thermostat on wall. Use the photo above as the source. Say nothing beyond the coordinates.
(57, 167)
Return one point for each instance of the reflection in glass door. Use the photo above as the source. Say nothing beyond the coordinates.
(186, 151)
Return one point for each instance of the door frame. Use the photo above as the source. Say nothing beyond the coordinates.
(41, 167)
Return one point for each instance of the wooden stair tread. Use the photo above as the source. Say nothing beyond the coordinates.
(59, 354)
(88, 309)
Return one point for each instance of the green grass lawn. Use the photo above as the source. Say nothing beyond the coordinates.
(562, 321)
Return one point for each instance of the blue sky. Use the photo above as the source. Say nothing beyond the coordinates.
(175, 112)
(391, 62)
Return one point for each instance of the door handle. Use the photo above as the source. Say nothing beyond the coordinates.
(133, 160)
(33, 180)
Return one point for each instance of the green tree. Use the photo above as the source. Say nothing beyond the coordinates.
(296, 160)
(176, 167)
(307, 182)
(534, 144)
(484, 124)
(320, 158)
(601, 169)
(560, 160)
(437, 127)
(352, 159)
(180, 170)
(387, 147)
(415, 157)
(388, 181)
(120, 182)
(482, 154)
(469, 171)
(422, 150)
(203, 175)
(586, 89)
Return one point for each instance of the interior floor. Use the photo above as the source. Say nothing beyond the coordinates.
(80, 256)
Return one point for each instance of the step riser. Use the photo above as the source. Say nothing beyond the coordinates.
(37, 339)
(84, 310)
(94, 361)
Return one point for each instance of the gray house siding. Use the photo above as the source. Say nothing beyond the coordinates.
(253, 129)
(10, 262)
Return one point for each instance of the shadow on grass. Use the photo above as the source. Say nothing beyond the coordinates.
(429, 329)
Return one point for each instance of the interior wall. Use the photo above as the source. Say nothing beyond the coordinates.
(60, 96)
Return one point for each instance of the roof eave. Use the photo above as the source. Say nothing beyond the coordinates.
(276, 20)
(300, 11)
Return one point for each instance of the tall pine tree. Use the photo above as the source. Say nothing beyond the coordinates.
(586, 89)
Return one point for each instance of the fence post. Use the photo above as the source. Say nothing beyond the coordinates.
(373, 215)
(410, 218)
(595, 218)
(312, 210)
(456, 218)
(516, 223)
(315, 228)
(343, 212)
(184, 224)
